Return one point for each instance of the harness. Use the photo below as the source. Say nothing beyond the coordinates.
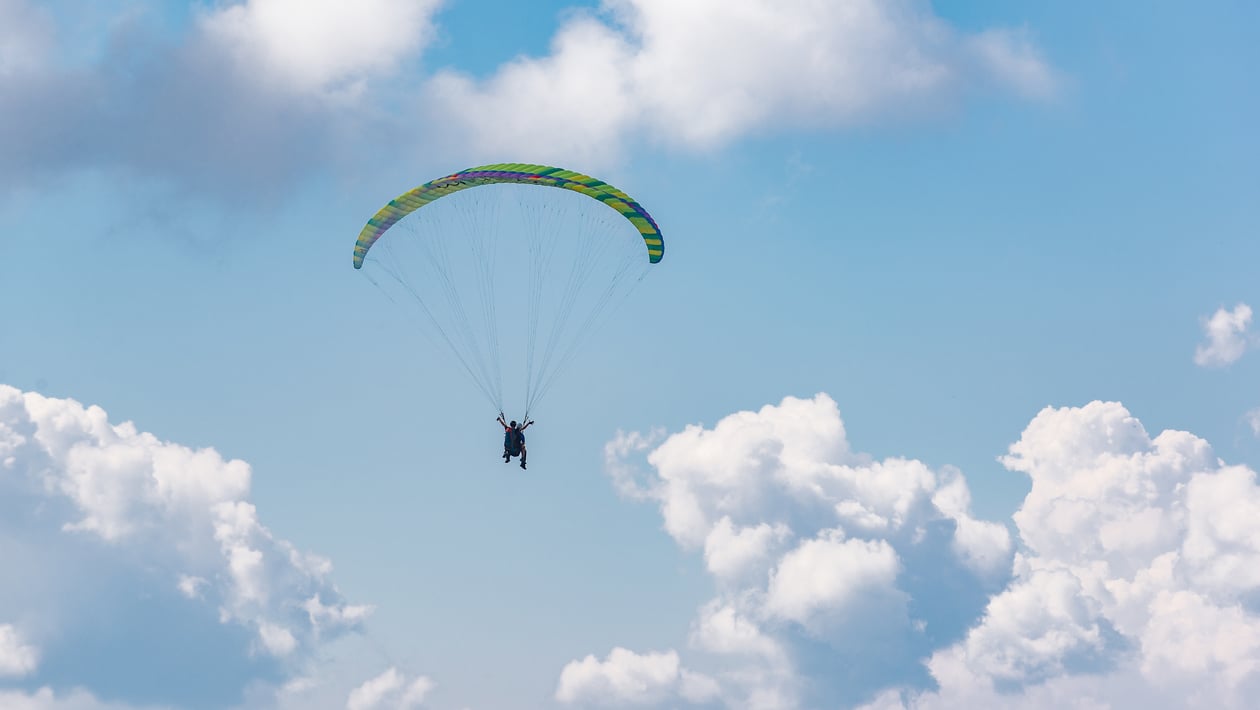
(513, 440)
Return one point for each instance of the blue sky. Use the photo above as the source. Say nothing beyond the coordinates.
(943, 394)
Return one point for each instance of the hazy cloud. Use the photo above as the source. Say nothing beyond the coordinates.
(1227, 337)
(17, 658)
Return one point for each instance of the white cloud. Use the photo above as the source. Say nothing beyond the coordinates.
(90, 497)
(1227, 336)
(732, 554)
(828, 575)
(626, 677)
(124, 483)
(701, 74)
(1190, 635)
(626, 477)
(1138, 580)
(191, 586)
(373, 691)
(817, 549)
(390, 689)
(723, 629)
(17, 658)
(982, 546)
(1011, 59)
(259, 94)
(319, 45)
(1029, 632)
(416, 692)
(336, 615)
(1253, 420)
(1079, 692)
(575, 105)
(252, 97)
(298, 686)
(278, 640)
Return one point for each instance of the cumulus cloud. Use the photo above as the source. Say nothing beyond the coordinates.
(17, 658)
(390, 689)
(256, 94)
(251, 97)
(732, 554)
(144, 518)
(823, 558)
(1136, 582)
(1137, 579)
(322, 45)
(700, 74)
(626, 677)
(1227, 336)
(830, 573)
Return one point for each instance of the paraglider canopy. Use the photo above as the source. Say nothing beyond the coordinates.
(579, 252)
(519, 173)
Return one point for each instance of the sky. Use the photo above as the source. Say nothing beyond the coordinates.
(945, 393)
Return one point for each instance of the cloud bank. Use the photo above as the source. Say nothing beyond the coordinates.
(251, 97)
(1137, 583)
(824, 558)
(702, 74)
(243, 103)
(122, 535)
(1134, 580)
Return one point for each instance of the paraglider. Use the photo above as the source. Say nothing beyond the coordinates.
(577, 252)
(513, 439)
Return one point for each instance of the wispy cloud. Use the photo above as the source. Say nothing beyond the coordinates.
(390, 689)
(17, 658)
(1227, 336)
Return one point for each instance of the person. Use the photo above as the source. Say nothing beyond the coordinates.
(513, 439)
